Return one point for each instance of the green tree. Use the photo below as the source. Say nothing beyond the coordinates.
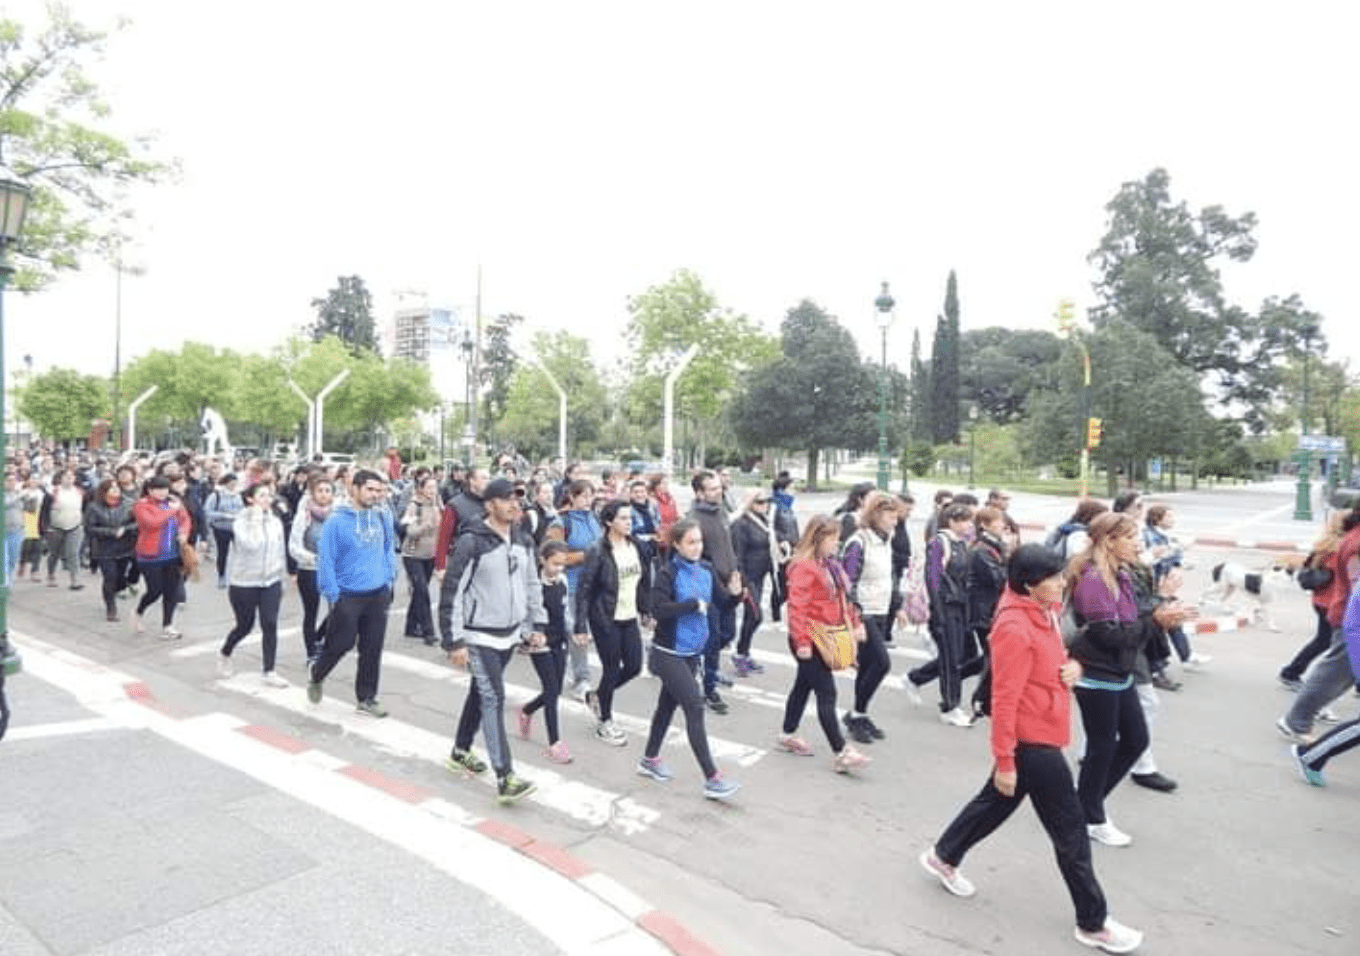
(531, 411)
(188, 382)
(1000, 368)
(378, 393)
(816, 394)
(1159, 271)
(922, 421)
(55, 135)
(265, 399)
(944, 369)
(498, 365)
(62, 404)
(347, 313)
(667, 319)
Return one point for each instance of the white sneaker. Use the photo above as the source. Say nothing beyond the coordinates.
(1108, 834)
(224, 666)
(272, 679)
(1328, 716)
(611, 734)
(957, 717)
(950, 878)
(1114, 938)
(1195, 661)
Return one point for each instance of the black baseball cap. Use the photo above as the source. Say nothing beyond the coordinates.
(499, 488)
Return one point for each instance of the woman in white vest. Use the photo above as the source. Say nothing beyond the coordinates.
(867, 558)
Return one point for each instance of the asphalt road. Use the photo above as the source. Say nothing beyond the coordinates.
(1243, 858)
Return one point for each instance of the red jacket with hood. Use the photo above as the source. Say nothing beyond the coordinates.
(1030, 703)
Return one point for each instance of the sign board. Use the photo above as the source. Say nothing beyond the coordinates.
(1323, 443)
(1155, 469)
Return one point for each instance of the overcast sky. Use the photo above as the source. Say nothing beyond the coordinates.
(581, 152)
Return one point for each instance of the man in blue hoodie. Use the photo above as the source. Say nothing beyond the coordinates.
(356, 566)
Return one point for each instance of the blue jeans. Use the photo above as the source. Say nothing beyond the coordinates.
(14, 543)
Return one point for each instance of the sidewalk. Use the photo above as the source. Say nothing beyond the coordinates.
(131, 828)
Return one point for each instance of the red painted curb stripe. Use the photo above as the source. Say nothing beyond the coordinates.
(410, 793)
(1206, 627)
(681, 941)
(275, 738)
(1278, 546)
(557, 859)
(504, 833)
(139, 692)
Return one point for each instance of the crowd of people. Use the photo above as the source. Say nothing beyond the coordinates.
(553, 563)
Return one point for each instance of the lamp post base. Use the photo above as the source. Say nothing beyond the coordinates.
(1303, 502)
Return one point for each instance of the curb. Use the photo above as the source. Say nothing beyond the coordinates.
(1222, 625)
(663, 927)
(1282, 546)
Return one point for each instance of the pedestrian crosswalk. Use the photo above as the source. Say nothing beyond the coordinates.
(578, 792)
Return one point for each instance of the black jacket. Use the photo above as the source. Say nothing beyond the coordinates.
(597, 589)
(986, 578)
(751, 542)
(112, 531)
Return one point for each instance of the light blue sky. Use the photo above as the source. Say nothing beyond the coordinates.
(581, 152)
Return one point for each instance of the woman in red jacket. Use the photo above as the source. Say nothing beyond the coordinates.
(819, 592)
(1032, 679)
(162, 526)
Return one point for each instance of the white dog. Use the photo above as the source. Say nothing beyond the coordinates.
(1265, 586)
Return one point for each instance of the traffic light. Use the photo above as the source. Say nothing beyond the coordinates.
(1066, 315)
(1093, 432)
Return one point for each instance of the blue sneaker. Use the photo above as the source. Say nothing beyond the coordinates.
(1306, 772)
(718, 787)
(654, 768)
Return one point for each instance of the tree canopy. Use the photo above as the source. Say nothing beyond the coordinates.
(1159, 266)
(667, 319)
(816, 394)
(54, 134)
(347, 313)
(531, 410)
(62, 404)
(944, 368)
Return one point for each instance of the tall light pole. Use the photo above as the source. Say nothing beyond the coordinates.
(14, 196)
(972, 443)
(1303, 501)
(668, 410)
(884, 316)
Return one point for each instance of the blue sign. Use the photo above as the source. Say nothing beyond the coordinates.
(1324, 443)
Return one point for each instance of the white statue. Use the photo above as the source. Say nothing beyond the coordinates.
(214, 429)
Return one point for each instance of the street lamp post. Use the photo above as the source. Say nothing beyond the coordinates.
(884, 304)
(1303, 502)
(469, 427)
(14, 196)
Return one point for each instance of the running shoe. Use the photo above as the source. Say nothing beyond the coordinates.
(370, 708)
(525, 722)
(224, 666)
(850, 759)
(718, 787)
(611, 734)
(1309, 775)
(949, 876)
(593, 702)
(274, 679)
(511, 788)
(655, 768)
(791, 743)
(465, 761)
(1114, 937)
(1108, 834)
(314, 691)
(715, 702)
(558, 753)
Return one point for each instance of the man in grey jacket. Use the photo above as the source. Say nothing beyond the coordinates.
(722, 621)
(489, 604)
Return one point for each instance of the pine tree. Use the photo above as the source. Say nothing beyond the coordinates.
(922, 428)
(944, 369)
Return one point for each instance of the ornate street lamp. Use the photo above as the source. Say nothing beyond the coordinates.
(1303, 499)
(14, 196)
(884, 304)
